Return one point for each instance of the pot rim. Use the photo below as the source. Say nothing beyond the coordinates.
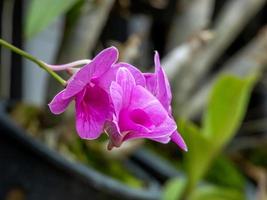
(94, 178)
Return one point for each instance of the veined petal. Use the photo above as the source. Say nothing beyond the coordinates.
(167, 127)
(76, 84)
(104, 60)
(163, 86)
(98, 66)
(151, 83)
(92, 110)
(110, 75)
(58, 105)
(177, 139)
(116, 95)
(126, 80)
(137, 74)
(164, 92)
(105, 80)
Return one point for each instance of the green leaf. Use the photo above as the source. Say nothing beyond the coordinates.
(174, 189)
(226, 108)
(225, 112)
(43, 12)
(199, 154)
(208, 192)
(224, 167)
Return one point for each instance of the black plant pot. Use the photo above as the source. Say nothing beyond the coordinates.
(32, 171)
(159, 168)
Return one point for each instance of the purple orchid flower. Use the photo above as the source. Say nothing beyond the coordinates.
(89, 87)
(157, 83)
(120, 100)
(137, 113)
(92, 101)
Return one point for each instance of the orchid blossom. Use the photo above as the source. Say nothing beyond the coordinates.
(137, 113)
(118, 99)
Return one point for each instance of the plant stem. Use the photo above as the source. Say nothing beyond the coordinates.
(33, 59)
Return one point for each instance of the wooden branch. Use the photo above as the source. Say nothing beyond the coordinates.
(175, 61)
(194, 16)
(86, 31)
(130, 49)
(232, 19)
(250, 59)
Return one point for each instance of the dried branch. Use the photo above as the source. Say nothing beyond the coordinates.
(194, 16)
(250, 59)
(232, 19)
(175, 61)
(130, 49)
(84, 35)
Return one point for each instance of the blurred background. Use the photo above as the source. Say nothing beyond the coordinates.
(215, 55)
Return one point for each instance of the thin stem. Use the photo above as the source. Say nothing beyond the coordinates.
(68, 65)
(33, 59)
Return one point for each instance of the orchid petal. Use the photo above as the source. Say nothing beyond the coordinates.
(104, 60)
(143, 99)
(126, 80)
(98, 66)
(158, 124)
(116, 95)
(163, 140)
(58, 105)
(177, 139)
(127, 123)
(92, 110)
(105, 80)
(137, 74)
(158, 84)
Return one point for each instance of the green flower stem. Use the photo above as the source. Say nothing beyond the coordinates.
(33, 59)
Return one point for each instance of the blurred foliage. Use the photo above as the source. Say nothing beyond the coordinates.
(226, 108)
(223, 116)
(174, 189)
(43, 12)
(223, 167)
(209, 192)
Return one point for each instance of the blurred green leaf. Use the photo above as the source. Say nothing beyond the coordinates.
(174, 189)
(226, 108)
(43, 12)
(223, 172)
(225, 111)
(216, 193)
(198, 156)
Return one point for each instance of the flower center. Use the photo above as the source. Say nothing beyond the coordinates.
(139, 116)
